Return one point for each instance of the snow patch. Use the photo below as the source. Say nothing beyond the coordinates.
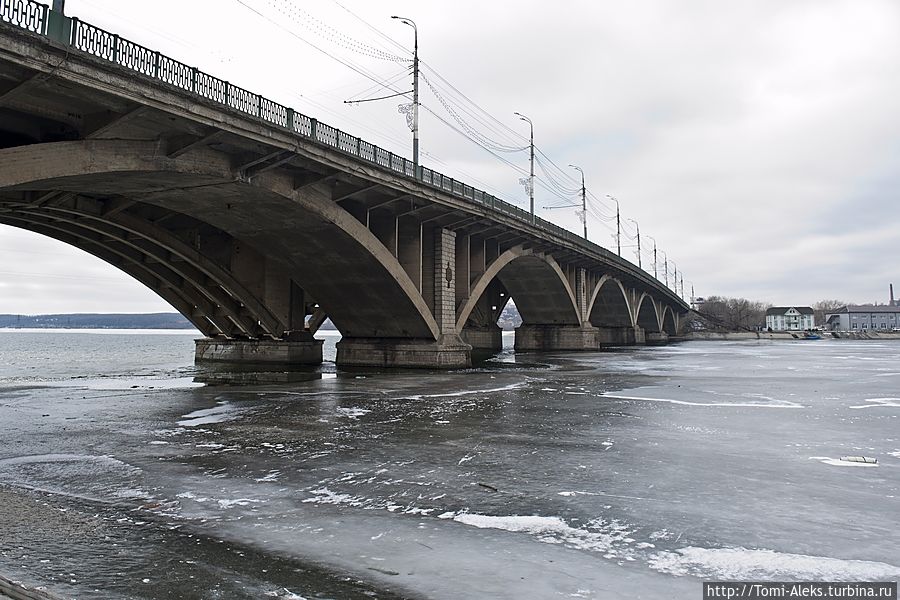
(743, 564)
(772, 404)
(879, 403)
(223, 411)
(611, 538)
(836, 462)
(353, 412)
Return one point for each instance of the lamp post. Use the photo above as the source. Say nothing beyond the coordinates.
(675, 276)
(665, 268)
(655, 276)
(415, 114)
(638, 227)
(531, 171)
(618, 226)
(583, 200)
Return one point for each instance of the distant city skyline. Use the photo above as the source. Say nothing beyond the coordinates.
(754, 141)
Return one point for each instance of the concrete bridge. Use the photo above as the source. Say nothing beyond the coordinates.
(257, 222)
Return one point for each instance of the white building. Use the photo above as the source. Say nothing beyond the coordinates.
(790, 318)
(863, 318)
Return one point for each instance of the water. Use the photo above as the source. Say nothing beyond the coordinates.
(636, 473)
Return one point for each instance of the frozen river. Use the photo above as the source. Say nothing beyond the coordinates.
(629, 474)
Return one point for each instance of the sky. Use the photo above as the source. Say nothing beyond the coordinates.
(756, 141)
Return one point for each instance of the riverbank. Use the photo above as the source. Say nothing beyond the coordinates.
(735, 336)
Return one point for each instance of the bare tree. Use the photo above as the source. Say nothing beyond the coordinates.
(734, 314)
(823, 307)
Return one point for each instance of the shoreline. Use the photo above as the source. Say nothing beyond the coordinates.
(731, 336)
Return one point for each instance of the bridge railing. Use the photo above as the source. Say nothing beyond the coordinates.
(26, 14)
(34, 17)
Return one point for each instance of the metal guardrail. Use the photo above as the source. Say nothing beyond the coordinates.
(35, 17)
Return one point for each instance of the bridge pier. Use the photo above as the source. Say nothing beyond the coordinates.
(530, 338)
(489, 337)
(450, 352)
(656, 338)
(621, 336)
(300, 349)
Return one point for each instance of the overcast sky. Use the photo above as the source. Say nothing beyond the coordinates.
(757, 141)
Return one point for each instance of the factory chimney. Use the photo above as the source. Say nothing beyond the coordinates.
(893, 303)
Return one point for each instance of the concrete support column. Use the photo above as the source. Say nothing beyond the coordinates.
(621, 336)
(656, 338)
(488, 337)
(448, 351)
(556, 338)
(445, 280)
(299, 349)
(581, 295)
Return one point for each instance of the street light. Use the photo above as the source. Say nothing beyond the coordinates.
(583, 200)
(531, 175)
(655, 276)
(675, 276)
(665, 267)
(638, 227)
(618, 226)
(415, 108)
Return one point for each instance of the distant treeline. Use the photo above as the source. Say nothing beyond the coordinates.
(509, 319)
(97, 321)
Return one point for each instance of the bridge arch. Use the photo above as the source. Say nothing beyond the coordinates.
(535, 282)
(669, 321)
(192, 228)
(609, 304)
(647, 314)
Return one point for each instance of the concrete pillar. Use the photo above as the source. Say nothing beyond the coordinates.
(488, 337)
(445, 280)
(656, 338)
(581, 295)
(556, 338)
(448, 351)
(621, 336)
(299, 349)
(395, 352)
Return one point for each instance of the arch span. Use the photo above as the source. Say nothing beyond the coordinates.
(670, 322)
(211, 242)
(535, 282)
(609, 305)
(647, 314)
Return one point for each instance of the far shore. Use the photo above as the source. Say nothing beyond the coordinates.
(790, 335)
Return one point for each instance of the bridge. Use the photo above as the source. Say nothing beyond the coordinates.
(257, 222)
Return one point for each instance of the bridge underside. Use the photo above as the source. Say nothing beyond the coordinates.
(258, 235)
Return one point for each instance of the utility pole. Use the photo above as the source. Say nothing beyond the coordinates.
(682, 286)
(618, 226)
(655, 276)
(583, 200)
(638, 227)
(666, 268)
(415, 108)
(531, 173)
